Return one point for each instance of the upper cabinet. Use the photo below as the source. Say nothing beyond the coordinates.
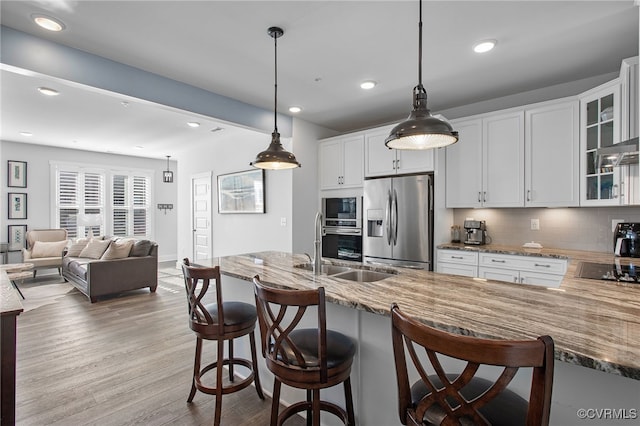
(382, 161)
(600, 128)
(525, 157)
(341, 162)
(485, 168)
(552, 143)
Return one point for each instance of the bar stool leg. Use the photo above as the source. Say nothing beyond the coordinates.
(254, 361)
(316, 407)
(219, 364)
(348, 397)
(275, 401)
(196, 368)
(231, 360)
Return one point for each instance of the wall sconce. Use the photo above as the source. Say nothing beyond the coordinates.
(167, 175)
(165, 207)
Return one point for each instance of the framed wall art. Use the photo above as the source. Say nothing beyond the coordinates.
(17, 237)
(17, 177)
(17, 205)
(241, 192)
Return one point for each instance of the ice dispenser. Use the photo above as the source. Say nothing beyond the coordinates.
(375, 223)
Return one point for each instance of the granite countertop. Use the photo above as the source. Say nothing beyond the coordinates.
(594, 323)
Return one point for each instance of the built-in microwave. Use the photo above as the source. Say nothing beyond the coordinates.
(342, 212)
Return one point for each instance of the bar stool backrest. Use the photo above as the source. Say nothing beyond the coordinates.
(197, 280)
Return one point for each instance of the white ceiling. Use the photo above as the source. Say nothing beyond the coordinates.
(328, 48)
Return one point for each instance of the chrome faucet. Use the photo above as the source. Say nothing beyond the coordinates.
(317, 246)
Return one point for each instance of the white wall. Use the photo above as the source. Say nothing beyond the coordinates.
(236, 233)
(39, 188)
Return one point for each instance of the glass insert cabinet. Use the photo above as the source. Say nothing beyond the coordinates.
(600, 128)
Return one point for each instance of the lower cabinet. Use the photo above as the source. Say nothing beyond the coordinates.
(533, 270)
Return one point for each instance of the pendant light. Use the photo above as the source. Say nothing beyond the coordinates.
(167, 175)
(275, 157)
(421, 130)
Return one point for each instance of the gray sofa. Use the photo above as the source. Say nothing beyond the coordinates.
(101, 277)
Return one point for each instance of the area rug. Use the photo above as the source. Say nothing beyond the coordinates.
(43, 291)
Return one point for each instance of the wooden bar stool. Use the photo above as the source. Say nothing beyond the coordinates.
(309, 358)
(219, 321)
(453, 399)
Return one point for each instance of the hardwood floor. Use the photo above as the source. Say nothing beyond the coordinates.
(122, 361)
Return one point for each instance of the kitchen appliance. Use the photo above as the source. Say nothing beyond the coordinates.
(626, 239)
(398, 221)
(342, 228)
(476, 232)
(629, 273)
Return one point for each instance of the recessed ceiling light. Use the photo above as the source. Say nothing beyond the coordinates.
(48, 22)
(48, 91)
(295, 109)
(216, 129)
(193, 124)
(26, 133)
(369, 84)
(484, 46)
(125, 104)
(139, 147)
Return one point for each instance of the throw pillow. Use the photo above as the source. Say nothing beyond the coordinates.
(95, 249)
(48, 249)
(117, 250)
(77, 246)
(141, 248)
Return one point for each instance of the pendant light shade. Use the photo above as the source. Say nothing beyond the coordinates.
(167, 175)
(421, 130)
(275, 157)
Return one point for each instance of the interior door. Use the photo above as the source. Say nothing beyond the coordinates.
(201, 214)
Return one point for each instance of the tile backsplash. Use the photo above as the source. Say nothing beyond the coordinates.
(585, 228)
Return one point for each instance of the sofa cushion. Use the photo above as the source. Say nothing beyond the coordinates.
(117, 250)
(95, 249)
(77, 267)
(48, 249)
(141, 248)
(77, 246)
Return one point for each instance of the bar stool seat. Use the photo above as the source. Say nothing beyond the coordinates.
(304, 358)
(220, 321)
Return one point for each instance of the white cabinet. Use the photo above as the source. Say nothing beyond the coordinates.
(552, 144)
(599, 128)
(341, 162)
(485, 168)
(458, 262)
(534, 270)
(382, 161)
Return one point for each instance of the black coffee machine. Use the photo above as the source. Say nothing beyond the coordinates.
(626, 240)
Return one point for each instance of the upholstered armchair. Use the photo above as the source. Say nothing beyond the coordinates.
(44, 248)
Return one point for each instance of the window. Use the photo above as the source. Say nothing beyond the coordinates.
(79, 190)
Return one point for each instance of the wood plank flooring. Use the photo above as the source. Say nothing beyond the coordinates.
(122, 361)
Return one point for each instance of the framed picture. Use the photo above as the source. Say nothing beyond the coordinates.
(241, 192)
(17, 177)
(17, 237)
(17, 205)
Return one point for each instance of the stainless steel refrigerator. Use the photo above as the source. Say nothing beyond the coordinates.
(398, 221)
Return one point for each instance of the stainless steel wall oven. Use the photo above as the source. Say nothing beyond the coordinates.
(342, 228)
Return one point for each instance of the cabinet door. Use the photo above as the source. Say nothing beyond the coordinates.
(499, 274)
(417, 161)
(552, 143)
(331, 164)
(457, 269)
(379, 160)
(599, 128)
(353, 160)
(543, 280)
(463, 170)
(503, 160)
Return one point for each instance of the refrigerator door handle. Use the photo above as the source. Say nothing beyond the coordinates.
(387, 217)
(394, 216)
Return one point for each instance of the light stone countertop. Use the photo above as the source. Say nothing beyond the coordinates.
(594, 323)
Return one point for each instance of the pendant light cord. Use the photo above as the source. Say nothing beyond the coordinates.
(420, 47)
(275, 79)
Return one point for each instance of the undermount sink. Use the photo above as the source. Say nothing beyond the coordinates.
(326, 269)
(362, 275)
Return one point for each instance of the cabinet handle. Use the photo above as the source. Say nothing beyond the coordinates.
(521, 280)
(541, 265)
(484, 197)
(457, 257)
(397, 164)
(615, 193)
(515, 279)
(528, 195)
(479, 196)
(498, 261)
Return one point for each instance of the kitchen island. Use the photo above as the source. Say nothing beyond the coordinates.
(594, 324)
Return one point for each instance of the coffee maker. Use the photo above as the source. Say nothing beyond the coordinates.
(626, 240)
(476, 232)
